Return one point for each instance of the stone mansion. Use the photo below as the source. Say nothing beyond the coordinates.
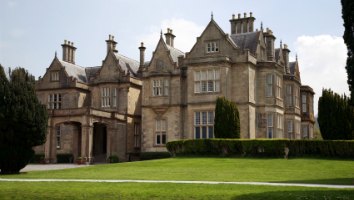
(125, 107)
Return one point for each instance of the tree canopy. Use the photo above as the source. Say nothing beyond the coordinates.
(348, 18)
(335, 116)
(23, 120)
(226, 121)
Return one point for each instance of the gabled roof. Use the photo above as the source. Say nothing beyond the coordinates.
(246, 40)
(175, 53)
(292, 67)
(127, 64)
(74, 71)
(91, 72)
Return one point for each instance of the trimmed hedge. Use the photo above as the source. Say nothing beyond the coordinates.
(154, 155)
(263, 147)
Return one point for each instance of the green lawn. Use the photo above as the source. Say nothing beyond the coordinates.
(215, 169)
(305, 170)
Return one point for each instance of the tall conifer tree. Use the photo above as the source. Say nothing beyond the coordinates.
(348, 18)
(226, 121)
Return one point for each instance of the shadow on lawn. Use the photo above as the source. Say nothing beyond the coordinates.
(300, 195)
(336, 181)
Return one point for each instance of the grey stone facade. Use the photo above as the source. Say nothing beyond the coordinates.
(125, 107)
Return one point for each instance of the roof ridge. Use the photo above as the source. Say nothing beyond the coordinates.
(126, 57)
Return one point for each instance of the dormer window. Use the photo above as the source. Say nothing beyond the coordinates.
(212, 47)
(54, 76)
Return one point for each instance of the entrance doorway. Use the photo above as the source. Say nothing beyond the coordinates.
(99, 149)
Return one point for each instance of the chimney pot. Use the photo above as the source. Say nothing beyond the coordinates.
(233, 16)
(250, 14)
(239, 15)
(244, 15)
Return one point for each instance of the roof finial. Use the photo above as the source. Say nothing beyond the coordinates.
(55, 54)
(161, 33)
(281, 44)
(262, 26)
(212, 15)
(296, 57)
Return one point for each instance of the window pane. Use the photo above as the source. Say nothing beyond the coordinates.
(197, 118)
(197, 132)
(204, 117)
(164, 138)
(204, 132)
(210, 117)
(158, 139)
(204, 86)
(204, 75)
(210, 132)
(210, 86)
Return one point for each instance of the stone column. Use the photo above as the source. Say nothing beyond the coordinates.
(86, 142)
(47, 145)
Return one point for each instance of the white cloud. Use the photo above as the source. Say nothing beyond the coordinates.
(322, 60)
(184, 30)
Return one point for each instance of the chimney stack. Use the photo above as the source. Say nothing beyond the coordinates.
(68, 51)
(142, 54)
(242, 25)
(286, 52)
(111, 44)
(269, 40)
(169, 37)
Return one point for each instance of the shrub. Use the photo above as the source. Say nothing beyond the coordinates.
(65, 158)
(226, 121)
(262, 147)
(154, 155)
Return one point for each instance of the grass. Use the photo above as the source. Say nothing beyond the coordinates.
(55, 190)
(215, 169)
(323, 171)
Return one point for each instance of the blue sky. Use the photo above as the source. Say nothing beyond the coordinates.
(33, 30)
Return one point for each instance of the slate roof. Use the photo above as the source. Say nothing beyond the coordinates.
(246, 40)
(91, 72)
(128, 64)
(74, 71)
(175, 53)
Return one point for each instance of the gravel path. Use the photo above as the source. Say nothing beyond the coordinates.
(41, 167)
(181, 182)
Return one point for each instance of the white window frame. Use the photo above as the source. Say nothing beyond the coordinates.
(269, 85)
(54, 101)
(204, 124)
(212, 47)
(289, 95)
(278, 87)
(105, 97)
(270, 125)
(136, 135)
(304, 103)
(160, 132)
(54, 76)
(58, 136)
(114, 97)
(160, 87)
(280, 123)
(207, 81)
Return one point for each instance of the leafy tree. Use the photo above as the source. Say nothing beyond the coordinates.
(335, 116)
(348, 18)
(226, 121)
(23, 120)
